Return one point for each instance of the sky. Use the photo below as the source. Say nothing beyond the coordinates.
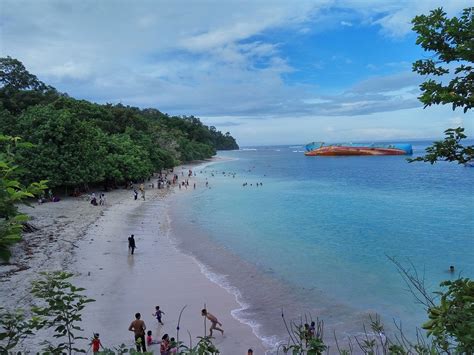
(269, 72)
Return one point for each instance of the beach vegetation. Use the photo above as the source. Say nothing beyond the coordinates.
(450, 149)
(77, 143)
(451, 321)
(61, 309)
(449, 329)
(13, 193)
(449, 41)
(203, 347)
(14, 327)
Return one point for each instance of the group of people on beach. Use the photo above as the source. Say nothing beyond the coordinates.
(102, 199)
(168, 346)
(51, 198)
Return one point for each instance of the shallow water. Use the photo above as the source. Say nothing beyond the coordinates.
(315, 237)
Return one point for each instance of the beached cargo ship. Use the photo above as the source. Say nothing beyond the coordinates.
(322, 149)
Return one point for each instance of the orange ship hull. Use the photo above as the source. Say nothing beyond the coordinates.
(344, 151)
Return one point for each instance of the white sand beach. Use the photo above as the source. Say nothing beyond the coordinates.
(91, 242)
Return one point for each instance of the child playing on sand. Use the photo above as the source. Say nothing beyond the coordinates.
(158, 314)
(173, 346)
(149, 339)
(312, 330)
(165, 345)
(96, 344)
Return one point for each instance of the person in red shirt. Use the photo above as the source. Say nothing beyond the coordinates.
(96, 344)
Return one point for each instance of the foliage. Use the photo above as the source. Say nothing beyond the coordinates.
(122, 349)
(301, 340)
(14, 76)
(451, 41)
(77, 142)
(450, 311)
(12, 192)
(223, 141)
(67, 150)
(448, 149)
(14, 328)
(451, 322)
(203, 347)
(63, 305)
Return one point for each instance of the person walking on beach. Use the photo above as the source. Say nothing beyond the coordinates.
(213, 320)
(135, 194)
(158, 314)
(131, 244)
(138, 327)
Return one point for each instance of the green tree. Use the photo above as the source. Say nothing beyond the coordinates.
(62, 310)
(125, 160)
(451, 321)
(12, 193)
(450, 311)
(450, 40)
(20, 89)
(14, 76)
(79, 143)
(14, 327)
(450, 149)
(68, 151)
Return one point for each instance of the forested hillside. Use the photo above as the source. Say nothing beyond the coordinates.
(76, 142)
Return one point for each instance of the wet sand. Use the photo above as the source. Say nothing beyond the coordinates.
(158, 274)
(92, 243)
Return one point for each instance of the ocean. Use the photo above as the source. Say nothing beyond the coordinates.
(311, 236)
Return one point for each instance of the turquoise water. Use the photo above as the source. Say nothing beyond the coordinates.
(315, 237)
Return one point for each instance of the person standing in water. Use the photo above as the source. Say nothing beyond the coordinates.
(213, 320)
(131, 244)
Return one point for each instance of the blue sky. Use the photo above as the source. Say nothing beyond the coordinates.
(270, 72)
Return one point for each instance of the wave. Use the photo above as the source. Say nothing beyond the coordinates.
(269, 342)
(248, 149)
(221, 280)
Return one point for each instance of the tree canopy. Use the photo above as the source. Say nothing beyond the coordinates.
(12, 192)
(450, 40)
(77, 142)
(451, 44)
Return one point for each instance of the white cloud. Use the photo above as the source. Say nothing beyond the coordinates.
(214, 59)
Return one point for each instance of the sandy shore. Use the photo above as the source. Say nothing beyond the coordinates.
(92, 242)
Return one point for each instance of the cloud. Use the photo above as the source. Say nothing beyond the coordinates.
(217, 60)
(397, 21)
(387, 83)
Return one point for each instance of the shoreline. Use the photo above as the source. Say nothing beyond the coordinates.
(91, 242)
(262, 306)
